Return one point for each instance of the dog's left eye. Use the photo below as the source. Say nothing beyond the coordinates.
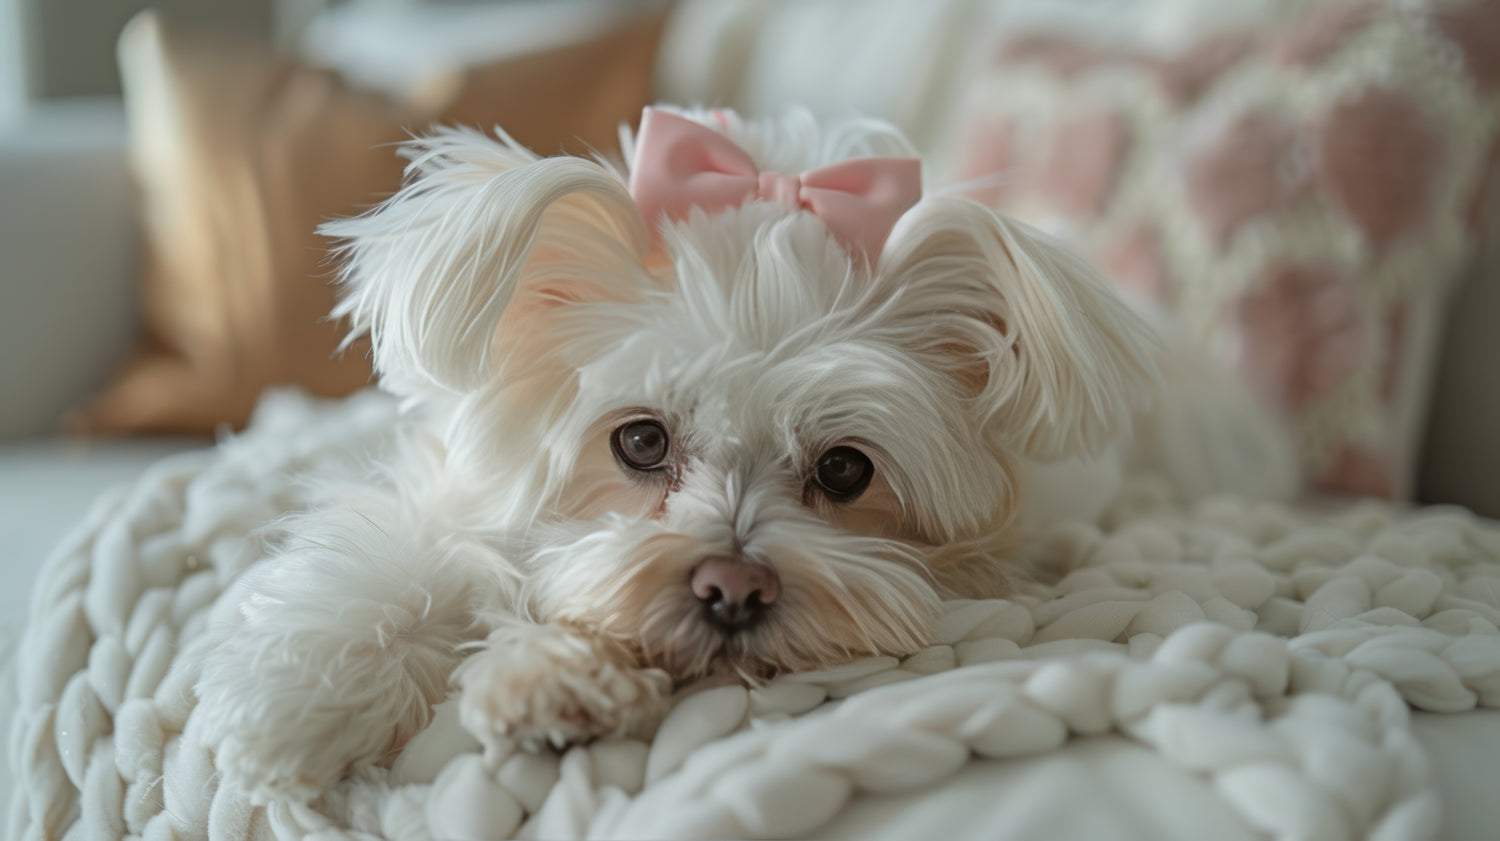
(641, 445)
(843, 473)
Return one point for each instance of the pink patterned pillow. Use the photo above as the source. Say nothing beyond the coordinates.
(1302, 193)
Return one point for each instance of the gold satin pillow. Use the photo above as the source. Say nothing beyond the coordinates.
(239, 154)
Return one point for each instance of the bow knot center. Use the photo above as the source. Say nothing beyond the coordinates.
(778, 187)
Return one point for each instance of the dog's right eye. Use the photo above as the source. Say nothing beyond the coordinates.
(641, 445)
(843, 473)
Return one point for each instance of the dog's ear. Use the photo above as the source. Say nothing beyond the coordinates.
(481, 226)
(1054, 360)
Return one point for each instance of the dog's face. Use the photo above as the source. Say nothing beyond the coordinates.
(736, 448)
(766, 466)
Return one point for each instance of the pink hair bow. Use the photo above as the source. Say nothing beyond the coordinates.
(680, 165)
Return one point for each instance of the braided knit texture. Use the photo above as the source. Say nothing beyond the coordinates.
(1274, 651)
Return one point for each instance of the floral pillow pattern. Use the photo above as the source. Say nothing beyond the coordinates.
(1302, 193)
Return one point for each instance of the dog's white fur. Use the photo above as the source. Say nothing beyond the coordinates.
(522, 310)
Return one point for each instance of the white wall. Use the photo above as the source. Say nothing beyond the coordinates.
(69, 45)
(12, 61)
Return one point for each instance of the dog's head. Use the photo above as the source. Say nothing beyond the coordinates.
(729, 441)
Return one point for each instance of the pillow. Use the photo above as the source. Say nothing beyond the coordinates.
(1302, 192)
(240, 154)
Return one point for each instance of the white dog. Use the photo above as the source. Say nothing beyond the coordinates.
(709, 420)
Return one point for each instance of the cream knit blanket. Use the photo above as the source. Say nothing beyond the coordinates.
(1274, 651)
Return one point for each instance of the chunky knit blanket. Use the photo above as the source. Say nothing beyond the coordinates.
(1276, 652)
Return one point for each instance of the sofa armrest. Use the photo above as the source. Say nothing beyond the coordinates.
(1461, 459)
(68, 245)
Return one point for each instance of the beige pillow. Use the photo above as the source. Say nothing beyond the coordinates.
(240, 154)
(1303, 193)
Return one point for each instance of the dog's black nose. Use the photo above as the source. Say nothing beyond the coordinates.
(734, 593)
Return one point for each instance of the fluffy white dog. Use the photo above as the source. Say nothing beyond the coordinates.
(708, 420)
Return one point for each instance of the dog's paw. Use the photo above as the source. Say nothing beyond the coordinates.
(254, 763)
(281, 728)
(548, 685)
